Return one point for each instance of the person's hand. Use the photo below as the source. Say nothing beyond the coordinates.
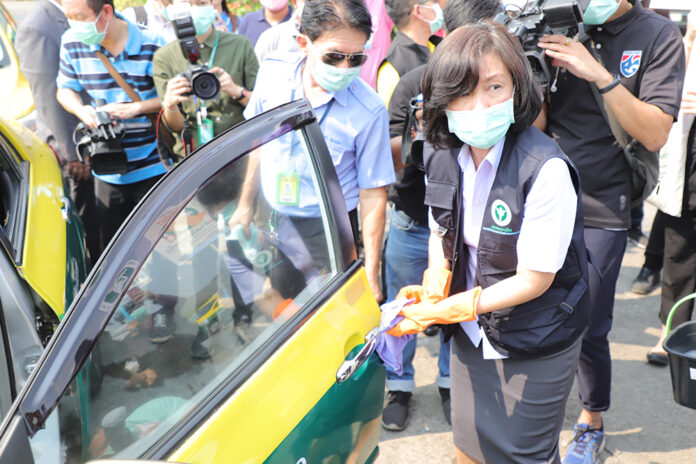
(227, 85)
(243, 216)
(87, 115)
(376, 288)
(688, 103)
(177, 90)
(418, 316)
(77, 170)
(435, 288)
(122, 110)
(574, 57)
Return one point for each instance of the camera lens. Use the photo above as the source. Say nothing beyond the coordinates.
(205, 85)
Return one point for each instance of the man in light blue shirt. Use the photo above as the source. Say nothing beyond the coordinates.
(354, 122)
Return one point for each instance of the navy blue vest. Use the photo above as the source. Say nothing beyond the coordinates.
(550, 322)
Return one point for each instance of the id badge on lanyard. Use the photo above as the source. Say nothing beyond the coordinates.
(288, 181)
(205, 126)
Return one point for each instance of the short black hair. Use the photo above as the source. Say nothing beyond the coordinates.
(399, 11)
(319, 16)
(97, 5)
(453, 71)
(457, 13)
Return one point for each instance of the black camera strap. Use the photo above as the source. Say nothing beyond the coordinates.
(165, 141)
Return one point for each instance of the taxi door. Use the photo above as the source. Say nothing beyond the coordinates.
(229, 320)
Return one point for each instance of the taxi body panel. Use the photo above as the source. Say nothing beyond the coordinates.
(287, 398)
(43, 257)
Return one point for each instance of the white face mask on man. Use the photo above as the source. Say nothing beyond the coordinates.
(274, 5)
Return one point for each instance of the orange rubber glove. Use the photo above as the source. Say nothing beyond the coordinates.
(418, 316)
(435, 287)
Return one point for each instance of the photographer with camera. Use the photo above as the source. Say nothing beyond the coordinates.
(204, 80)
(633, 63)
(110, 58)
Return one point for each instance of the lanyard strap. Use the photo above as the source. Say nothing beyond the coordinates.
(212, 54)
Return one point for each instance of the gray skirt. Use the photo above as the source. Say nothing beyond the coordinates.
(509, 410)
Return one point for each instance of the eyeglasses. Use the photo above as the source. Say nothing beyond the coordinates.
(334, 58)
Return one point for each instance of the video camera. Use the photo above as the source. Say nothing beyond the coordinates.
(204, 84)
(103, 144)
(540, 17)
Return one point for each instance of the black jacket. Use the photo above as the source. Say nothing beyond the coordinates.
(546, 324)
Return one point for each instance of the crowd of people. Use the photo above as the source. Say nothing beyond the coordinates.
(511, 201)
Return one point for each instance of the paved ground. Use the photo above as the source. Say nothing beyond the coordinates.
(644, 424)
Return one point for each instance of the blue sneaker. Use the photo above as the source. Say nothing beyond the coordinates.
(586, 446)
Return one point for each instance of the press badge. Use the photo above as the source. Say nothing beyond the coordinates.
(205, 131)
(288, 189)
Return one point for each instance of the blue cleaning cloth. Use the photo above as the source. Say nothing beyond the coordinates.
(390, 348)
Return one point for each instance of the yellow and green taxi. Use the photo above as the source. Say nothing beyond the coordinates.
(42, 257)
(15, 93)
(200, 339)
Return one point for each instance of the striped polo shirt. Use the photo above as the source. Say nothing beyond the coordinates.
(80, 69)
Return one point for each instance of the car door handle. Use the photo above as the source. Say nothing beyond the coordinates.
(65, 208)
(350, 367)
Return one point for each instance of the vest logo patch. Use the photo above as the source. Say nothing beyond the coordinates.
(630, 62)
(501, 214)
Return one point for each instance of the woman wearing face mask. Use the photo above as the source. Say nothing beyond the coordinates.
(507, 265)
(352, 118)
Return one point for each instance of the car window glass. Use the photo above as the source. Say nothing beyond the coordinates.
(230, 272)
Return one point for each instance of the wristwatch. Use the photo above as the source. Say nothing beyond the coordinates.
(613, 84)
(242, 93)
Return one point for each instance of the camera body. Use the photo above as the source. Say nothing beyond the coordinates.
(538, 18)
(204, 84)
(102, 145)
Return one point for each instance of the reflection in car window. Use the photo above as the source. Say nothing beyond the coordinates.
(212, 292)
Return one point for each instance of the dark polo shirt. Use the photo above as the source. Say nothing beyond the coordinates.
(253, 24)
(408, 192)
(647, 53)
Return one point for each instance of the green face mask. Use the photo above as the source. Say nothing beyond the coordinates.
(86, 31)
(482, 128)
(598, 11)
(203, 17)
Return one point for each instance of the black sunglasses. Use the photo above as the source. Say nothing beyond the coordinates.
(334, 58)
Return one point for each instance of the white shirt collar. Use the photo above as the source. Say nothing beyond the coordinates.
(492, 158)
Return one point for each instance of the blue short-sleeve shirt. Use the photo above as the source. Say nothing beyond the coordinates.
(356, 131)
(80, 69)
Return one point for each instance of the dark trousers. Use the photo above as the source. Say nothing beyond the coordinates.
(82, 196)
(115, 202)
(679, 273)
(594, 367)
(655, 250)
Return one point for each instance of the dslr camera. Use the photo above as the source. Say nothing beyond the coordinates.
(102, 145)
(204, 84)
(540, 17)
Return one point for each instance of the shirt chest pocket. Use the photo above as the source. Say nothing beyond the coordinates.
(337, 148)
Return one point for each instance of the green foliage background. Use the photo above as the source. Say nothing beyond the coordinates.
(238, 7)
